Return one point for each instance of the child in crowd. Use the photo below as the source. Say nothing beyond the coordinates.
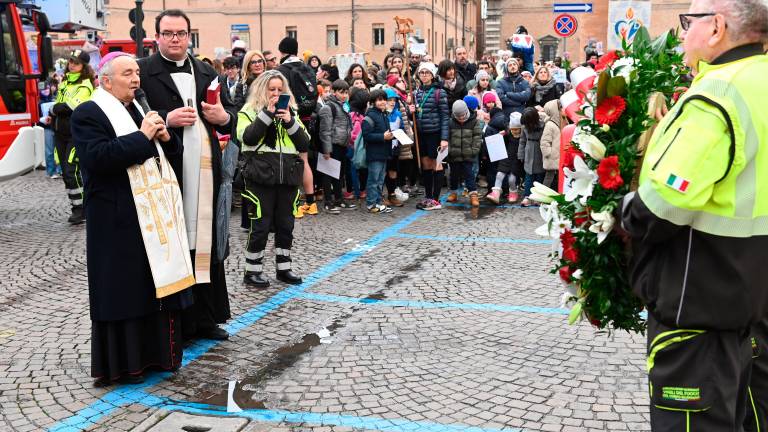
(473, 105)
(335, 126)
(509, 168)
(497, 124)
(378, 150)
(358, 105)
(466, 138)
(530, 150)
(397, 120)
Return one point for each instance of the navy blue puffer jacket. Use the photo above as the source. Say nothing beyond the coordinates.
(514, 92)
(376, 147)
(432, 111)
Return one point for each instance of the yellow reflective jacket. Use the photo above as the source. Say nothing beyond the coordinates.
(699, 221)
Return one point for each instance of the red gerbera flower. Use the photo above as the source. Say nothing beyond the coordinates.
(568, 240)
(610, 110)
(609, 174)
(566, 273)
(606, 61)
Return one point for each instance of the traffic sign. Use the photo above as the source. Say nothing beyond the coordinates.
(566, 25)
(132, 32)
(572, 7)
(135, 16)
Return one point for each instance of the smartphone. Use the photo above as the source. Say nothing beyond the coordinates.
(283, 101)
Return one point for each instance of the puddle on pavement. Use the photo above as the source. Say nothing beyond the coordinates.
(394, 280)
(248, 393)
(416, 265)
(379, 295)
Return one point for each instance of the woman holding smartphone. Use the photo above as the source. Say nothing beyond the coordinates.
(273, 140)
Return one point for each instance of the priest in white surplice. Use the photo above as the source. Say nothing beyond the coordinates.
(176, 85)
(136, 243)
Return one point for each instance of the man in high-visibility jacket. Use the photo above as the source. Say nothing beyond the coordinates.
(75, 89)
(699, 225)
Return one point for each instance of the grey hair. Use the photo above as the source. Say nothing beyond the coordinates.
(106, 70)
(748, 18)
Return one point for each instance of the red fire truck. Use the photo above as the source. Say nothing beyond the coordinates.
(61, 48)
(21, 141)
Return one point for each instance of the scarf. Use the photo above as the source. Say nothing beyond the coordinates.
(159, 208)
(540, 90)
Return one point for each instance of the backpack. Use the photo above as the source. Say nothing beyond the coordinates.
(301, 80)
(314, 127)
(358, 159)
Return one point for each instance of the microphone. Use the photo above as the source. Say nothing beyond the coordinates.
(141, 98)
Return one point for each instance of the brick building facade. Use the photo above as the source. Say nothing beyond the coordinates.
(537, 16)
(325, 26)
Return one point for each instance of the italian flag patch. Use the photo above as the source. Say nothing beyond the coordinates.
(678, 183)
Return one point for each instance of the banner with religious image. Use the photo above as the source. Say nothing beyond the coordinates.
(344, 61)
(625, 17)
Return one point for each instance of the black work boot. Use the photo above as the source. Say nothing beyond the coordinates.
(289, 277)
(78, 215)
(283, 264)
(256, 279)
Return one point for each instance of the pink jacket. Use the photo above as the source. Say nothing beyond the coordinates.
(357, 126)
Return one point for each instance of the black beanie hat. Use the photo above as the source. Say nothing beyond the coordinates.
(288, 46)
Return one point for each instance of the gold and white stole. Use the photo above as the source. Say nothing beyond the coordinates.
(198, 180)
(159, 206)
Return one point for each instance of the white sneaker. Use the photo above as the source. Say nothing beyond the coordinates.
(401, 196)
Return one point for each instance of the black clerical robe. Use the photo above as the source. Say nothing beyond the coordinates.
(131, 328)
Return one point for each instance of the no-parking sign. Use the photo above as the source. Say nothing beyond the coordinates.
(566, 25)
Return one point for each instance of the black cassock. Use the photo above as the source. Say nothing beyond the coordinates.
(211, 304)
(131, 329)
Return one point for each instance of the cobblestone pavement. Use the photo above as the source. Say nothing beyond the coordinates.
(442, 321)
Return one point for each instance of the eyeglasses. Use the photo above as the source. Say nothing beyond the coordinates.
(424, 72)
(273, 59)
(231, 67)
(168, 35)
(685, 19)
(255, 62)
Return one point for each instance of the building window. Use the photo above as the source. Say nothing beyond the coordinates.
(378, 35)
(332, 36)
(194, 36)
(291, 32)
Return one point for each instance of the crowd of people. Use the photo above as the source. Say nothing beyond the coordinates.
(393, 131)
(435, 106)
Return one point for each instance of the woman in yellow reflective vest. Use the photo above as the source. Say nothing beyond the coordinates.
(75, 89)
(272, 140)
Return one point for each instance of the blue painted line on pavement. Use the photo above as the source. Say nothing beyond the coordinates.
(122, 395)
(417, 304)
(475, 239)
(324, 419)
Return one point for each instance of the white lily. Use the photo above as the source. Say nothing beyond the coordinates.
(602, 225)
(554, 224)
(542, 194)
(624, 67)
(581, 181)
(589, 144)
